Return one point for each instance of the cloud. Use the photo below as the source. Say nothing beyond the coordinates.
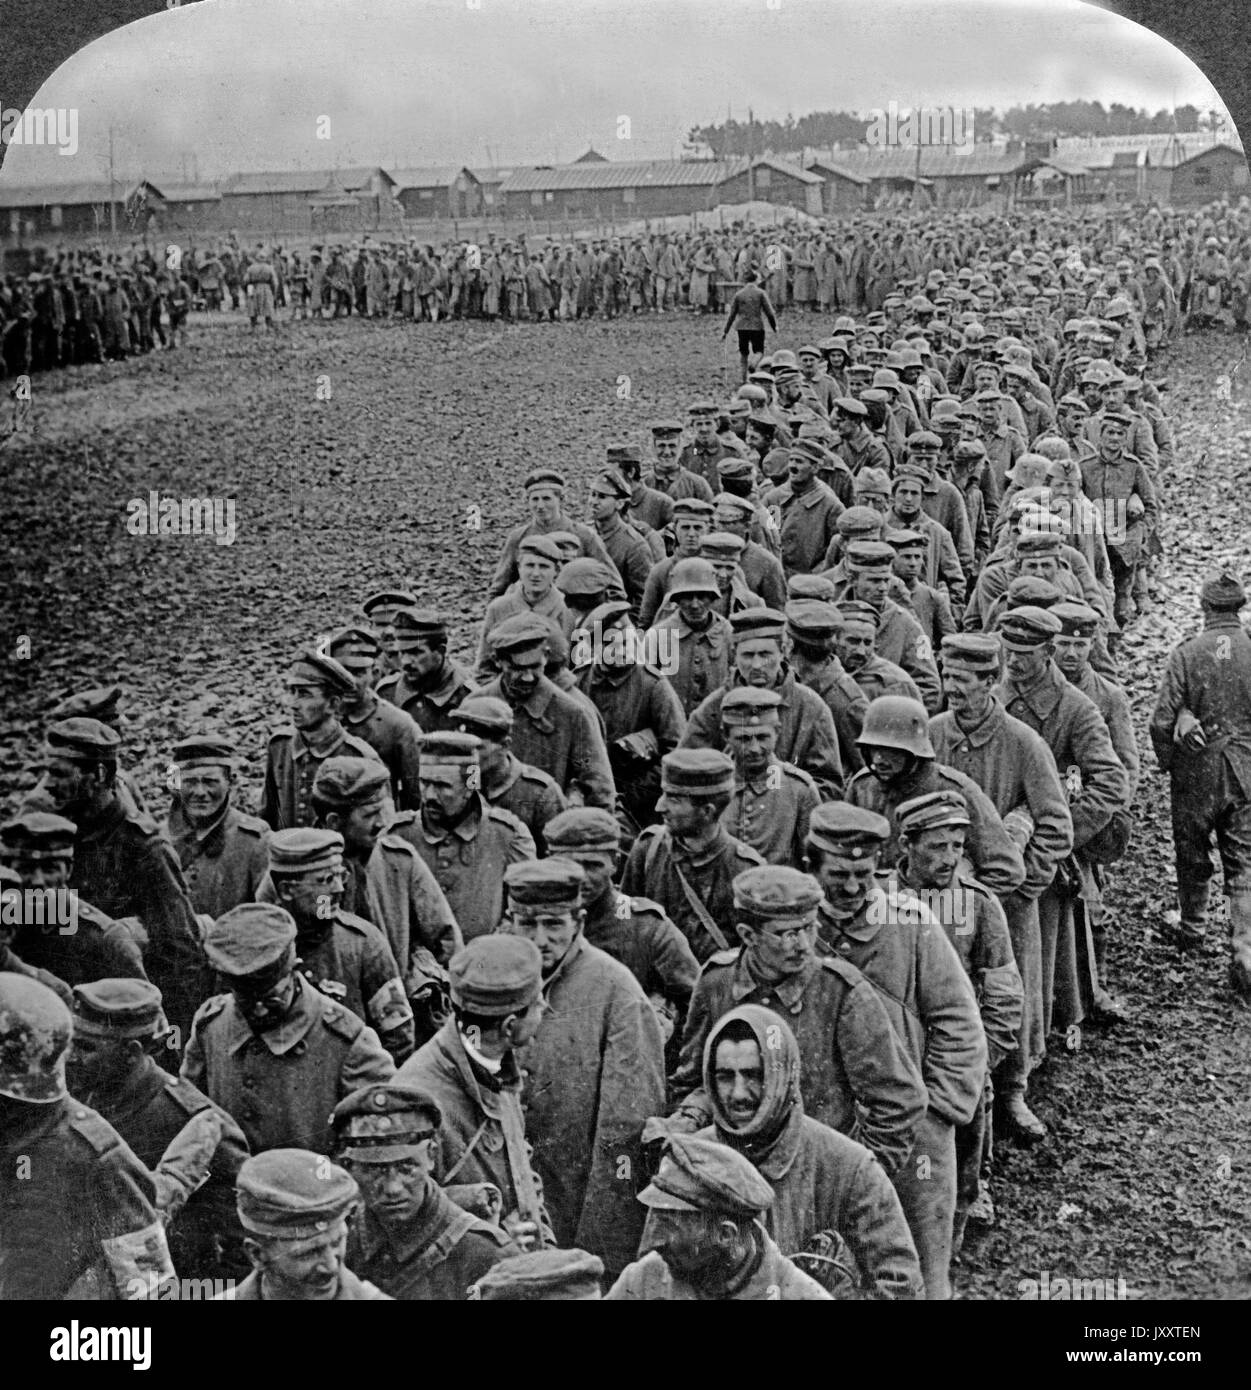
(240, 84)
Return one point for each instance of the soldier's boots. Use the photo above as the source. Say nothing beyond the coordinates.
(1020, 1121)
(980, 1211)
(1105, 1008)
(1240, 941)
(1190, 933)
(982, 1207)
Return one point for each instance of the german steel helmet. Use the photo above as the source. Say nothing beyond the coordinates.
(893, 721)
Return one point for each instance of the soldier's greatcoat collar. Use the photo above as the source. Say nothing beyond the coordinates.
(537, 702)
(436, 1218)
(702, 858)
(789, 991)
(368, 704)
(291, 1031)
(716, 635)
(497, 781)
(862, 928)
(982, 734)
(450, 682)
(209, 840)
(133, 1094)
(472, 1080)
(785, 686)
(760, 785)
(327, 741)
(1043, 696)
(464, 830)
(815, 495)
(564, 966)
(102, 823)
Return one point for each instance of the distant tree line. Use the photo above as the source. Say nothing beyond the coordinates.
(823, 129)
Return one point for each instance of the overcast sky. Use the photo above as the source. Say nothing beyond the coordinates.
(241, 84)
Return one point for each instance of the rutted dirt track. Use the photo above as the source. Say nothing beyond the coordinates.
(427, 430)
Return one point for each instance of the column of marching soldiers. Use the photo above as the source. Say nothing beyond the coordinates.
(697, 940)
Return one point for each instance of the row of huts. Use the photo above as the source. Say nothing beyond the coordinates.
(1176, 171)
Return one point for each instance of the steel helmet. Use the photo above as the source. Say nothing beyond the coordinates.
(35, 1029)
(690, 577)
(893, 721)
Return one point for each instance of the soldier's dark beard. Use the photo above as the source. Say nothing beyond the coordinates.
(275, 1015)
(430, 680)
(86, 1080)
(443, 820)
(515, 694)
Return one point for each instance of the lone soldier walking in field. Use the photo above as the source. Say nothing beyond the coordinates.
(750, 307)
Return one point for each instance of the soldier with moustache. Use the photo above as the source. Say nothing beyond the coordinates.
(806, 736)
(345, 956)
(430, 683)
(465, 842)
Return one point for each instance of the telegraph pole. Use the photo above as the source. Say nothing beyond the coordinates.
(751, 144)
(112, 199)
(916, 176)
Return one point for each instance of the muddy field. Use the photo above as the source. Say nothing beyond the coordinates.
(359, 456)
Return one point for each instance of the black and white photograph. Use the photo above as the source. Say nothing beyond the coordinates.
(625, 665)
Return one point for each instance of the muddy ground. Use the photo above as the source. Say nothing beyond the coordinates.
(363, 455)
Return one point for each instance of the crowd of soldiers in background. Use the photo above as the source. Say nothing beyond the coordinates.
(81, 307)
(700, 936)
